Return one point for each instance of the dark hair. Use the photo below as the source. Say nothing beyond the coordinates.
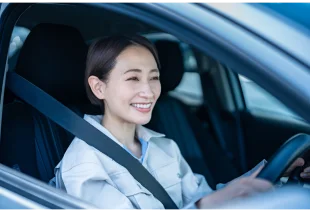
(102, 54)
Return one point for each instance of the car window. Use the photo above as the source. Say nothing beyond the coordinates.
(257, 98)
(18, 38)
(189, 90)
(190, 63)
(2, 7)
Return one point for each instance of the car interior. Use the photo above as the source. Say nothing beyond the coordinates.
(218, 136)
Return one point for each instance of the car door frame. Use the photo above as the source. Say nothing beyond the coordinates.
(186, 21)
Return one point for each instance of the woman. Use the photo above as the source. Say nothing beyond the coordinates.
(122, 76)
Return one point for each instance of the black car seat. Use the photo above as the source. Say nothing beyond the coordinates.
(53, 58)
(174, 119)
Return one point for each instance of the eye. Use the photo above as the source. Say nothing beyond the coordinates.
(133, 79)
(155, 78)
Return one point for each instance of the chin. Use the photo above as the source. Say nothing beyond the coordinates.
(142, 120)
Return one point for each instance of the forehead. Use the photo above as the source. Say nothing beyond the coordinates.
(136, 57)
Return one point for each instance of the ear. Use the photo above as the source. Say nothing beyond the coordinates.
(97, 86)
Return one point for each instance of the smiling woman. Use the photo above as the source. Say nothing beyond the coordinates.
(122, 76)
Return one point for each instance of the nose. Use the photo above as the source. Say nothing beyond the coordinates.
(146, 91)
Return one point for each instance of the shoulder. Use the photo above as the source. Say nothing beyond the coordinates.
(79, 153)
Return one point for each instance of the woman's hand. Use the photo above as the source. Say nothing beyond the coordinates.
(237, 188)
(246, 186)
(299, 162)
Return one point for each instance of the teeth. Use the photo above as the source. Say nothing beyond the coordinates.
(144, 106)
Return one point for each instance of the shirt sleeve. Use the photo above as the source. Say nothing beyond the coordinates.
(94, 187)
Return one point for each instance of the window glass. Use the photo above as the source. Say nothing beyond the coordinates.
(189, 90)
(190, 63)
(18, 37)
(258, 98)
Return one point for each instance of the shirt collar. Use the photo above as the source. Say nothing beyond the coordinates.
(146, 134)
(141, 132)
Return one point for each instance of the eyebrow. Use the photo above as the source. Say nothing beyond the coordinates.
(139, 71)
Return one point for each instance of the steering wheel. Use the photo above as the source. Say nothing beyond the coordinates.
(293, 148)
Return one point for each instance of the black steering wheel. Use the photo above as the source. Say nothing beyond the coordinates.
(293, 148)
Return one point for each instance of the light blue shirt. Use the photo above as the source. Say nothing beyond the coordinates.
(144, 146)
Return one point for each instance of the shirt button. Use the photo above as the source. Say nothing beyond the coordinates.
(179, 175)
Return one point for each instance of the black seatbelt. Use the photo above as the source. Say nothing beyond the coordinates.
(76, 125)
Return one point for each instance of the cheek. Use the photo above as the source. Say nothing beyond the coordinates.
(117, 93)
(157, 90)
(125, 92)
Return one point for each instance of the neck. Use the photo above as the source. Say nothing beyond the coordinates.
(124, 132)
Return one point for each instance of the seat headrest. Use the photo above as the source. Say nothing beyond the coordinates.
(172, 65)
(53, 58)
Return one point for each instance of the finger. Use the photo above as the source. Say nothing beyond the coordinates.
(254, 174)
(307, 169)
(298, 162)
(305, 175)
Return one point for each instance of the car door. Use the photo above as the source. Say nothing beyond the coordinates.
(254, 123)
(262, 120)
(267, 123)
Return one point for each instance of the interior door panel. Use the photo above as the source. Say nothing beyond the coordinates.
(265, 132)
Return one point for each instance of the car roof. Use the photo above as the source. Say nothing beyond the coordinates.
(91, 21)
(298, 12)
(284, 33)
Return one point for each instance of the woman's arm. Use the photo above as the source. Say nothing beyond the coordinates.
(238, 188)
(88, 181)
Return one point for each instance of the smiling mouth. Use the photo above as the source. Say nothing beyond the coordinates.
(142, 105)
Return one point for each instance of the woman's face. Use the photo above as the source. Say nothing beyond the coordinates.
(133, 86)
